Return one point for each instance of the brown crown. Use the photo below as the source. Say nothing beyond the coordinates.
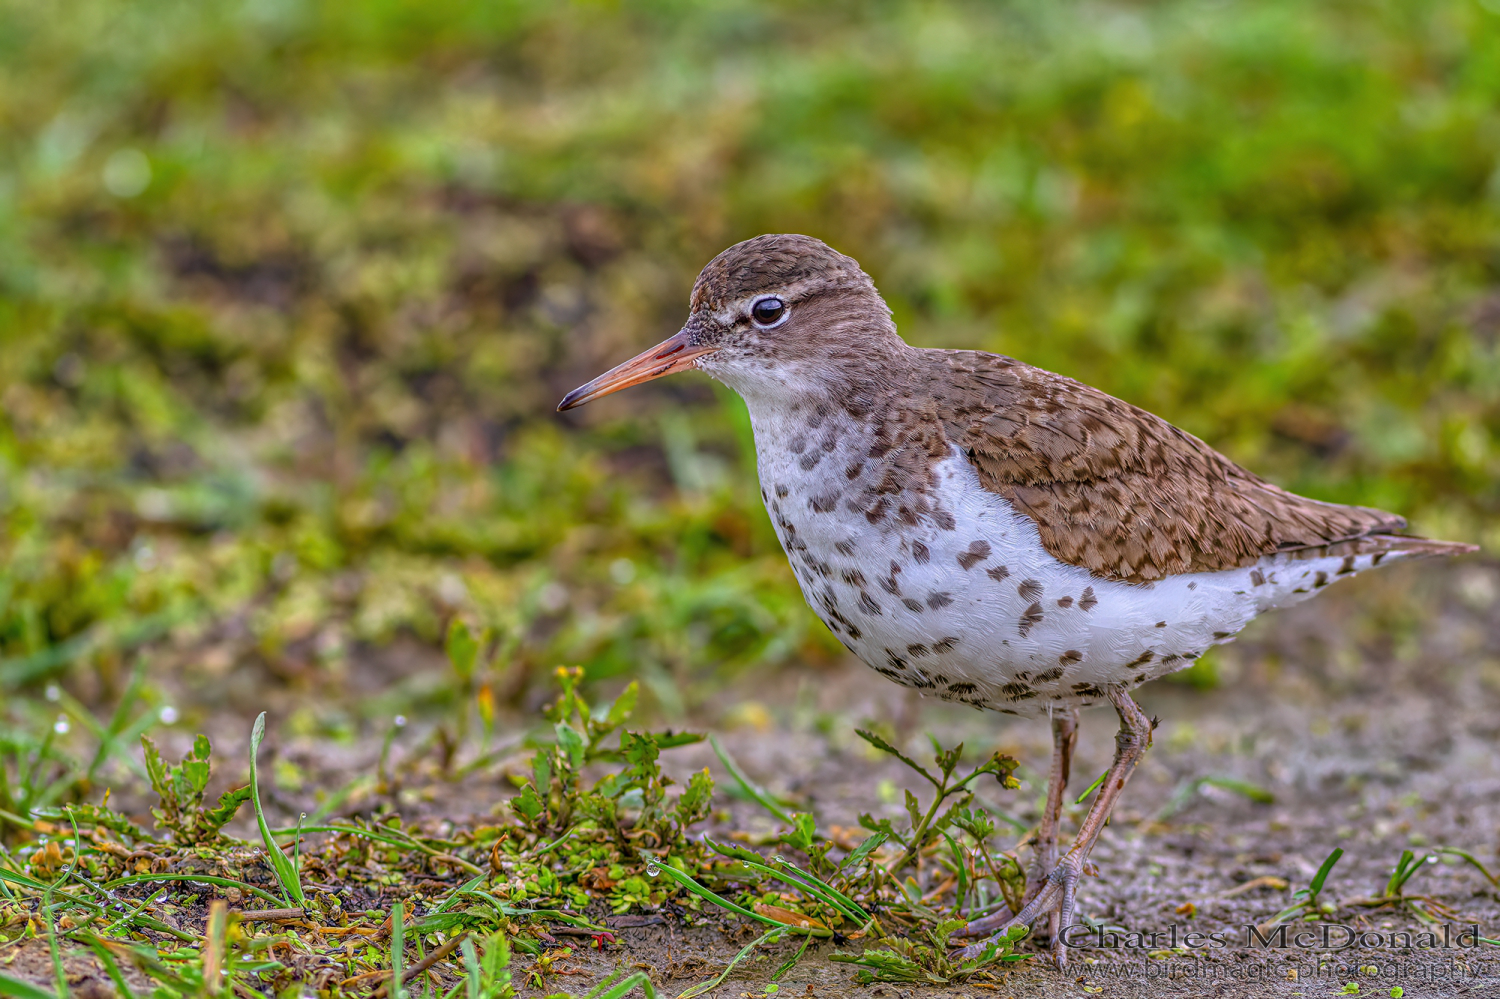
(784, 261)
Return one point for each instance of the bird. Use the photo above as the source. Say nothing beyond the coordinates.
(992, 533)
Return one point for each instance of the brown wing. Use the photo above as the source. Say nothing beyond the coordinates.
(1117, 490)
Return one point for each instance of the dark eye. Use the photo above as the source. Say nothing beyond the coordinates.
(767, 311)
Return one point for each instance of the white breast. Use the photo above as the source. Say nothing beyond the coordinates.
(973, 608)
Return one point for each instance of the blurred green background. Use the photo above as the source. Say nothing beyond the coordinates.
(288, 291)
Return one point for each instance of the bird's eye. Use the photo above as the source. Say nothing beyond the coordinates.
(768, 311)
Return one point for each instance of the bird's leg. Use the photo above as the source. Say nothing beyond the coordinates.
(1059, 890)
(1044, 855)
(1044, 846)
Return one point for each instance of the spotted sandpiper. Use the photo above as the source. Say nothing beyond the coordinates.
(990, 532)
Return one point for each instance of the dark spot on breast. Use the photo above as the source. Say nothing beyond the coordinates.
(936, 600)
(867, 603)
(1030, 619)
(997, 573)
(944, 519)
(1030, 589)
(1192, 586)
(918, 650)
(1087, 601)
(843, 547)
(1257, 578)
(1320, 580)
(1223, 634)
(896, 661)
(920, 553)
(1065, 602)
(1378, 556)
(1169, 660)
(1087, 690)
(889, 583)
(1017, 692)
(763, 497)
(908, 516)
(809, 461)
(829, 443)
(1347, 565)
(852, 472)
(978, 552)
(797, 444)
(946, 645)
(1161, 624)
(1070, 657)
(1048, 675)
(876, 513)
(824, 504)
(1008, 711)
(1141, 660)
(913, 605)
(854, 632)
(781, 490)
(854, 577)
(963, 688)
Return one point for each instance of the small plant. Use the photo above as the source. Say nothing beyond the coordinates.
(181, 789)
(286, 872)
(926, 825)
(487, 977)
(630, 804)
(1306, 900)
(923, 959)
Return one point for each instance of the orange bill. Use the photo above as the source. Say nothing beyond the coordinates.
(674, 354)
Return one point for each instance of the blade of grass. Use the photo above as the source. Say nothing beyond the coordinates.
(755, 791)
(704, 987)
(1466, 855)
(799, 878)
(693, 886)
(207, 879)
(291, 885)
(398, 949)
(1091, 788)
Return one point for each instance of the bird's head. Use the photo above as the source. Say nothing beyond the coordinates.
(771, 314)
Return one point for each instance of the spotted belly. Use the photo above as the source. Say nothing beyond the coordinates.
(965, 603)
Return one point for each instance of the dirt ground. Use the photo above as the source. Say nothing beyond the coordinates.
(1372, 715)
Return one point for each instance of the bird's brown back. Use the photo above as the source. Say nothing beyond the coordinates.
(1115, 489)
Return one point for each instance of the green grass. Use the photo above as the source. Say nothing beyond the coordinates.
(288, 292)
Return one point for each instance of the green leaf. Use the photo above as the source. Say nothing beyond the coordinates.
(696, 800)
(1317, 882)
(463, 649)
(291, 885)
(622, 708)
(229, 803)
(914, 809)
(870, 845)
(571, 744)
(529, 803)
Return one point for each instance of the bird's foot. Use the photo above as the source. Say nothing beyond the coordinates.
(1057, 898)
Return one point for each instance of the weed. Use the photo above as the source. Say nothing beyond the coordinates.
(925, 824)
(286, 873)
(1308, 903)
(180, 789)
